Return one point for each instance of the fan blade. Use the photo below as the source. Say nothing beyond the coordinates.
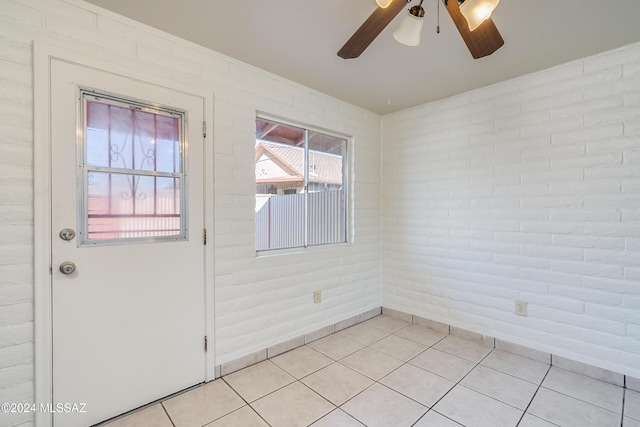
(369, 30)
(483, 41)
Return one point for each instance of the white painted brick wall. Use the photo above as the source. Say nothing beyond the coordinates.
(259, 301)
(527, 189)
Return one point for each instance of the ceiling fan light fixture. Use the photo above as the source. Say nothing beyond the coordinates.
(477, 11)
(384, 3)
(408, 33)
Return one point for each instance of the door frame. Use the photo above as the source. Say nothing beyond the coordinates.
(43, 53)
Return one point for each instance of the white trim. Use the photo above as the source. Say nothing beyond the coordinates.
(42, 232)
(209, 224)
(44, 52)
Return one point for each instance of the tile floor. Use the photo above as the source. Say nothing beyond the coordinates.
(389, 373)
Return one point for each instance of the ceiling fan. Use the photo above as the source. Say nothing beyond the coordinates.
(471, 17)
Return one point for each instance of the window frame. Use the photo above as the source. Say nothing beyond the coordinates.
(346, 185)
(85, 94)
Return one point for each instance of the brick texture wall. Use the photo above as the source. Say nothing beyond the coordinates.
(525, 190)
(528, 189)
(259, 301)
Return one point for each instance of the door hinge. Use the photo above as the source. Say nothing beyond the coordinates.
(204, 129)
(204, 236)
(206, 344)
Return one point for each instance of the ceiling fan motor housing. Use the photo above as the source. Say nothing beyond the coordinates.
(417, 11)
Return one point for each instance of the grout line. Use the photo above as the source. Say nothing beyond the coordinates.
(236, 410)
(332, 361)
(243, 399)
(389, 373)
(465, 375)
(423, 415)
(490, 397)
(582, 400)
(359, 393)
(234, 390)
(507, 373)
(624, 396)
(168, 416)
(271, 392)
(347, 355)
(533, 397)
(324, 398)
(442, 415)
(258, 414)
(448, 391)
(338, 409)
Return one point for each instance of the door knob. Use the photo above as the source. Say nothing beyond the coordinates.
(67, 267)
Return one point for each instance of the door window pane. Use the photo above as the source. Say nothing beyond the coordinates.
(130, 206)
(123, 137)
(133, 171)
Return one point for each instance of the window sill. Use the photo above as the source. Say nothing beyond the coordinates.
(301, 250)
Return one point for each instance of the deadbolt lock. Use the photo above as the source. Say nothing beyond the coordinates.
(67, 234)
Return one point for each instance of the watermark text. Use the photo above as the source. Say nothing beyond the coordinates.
(49, 408)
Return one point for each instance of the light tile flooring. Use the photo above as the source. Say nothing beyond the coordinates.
(388, 373)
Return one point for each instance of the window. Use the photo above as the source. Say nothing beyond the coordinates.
(133, 171)
(300, 187)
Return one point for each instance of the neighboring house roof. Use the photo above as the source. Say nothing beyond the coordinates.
(281, 162)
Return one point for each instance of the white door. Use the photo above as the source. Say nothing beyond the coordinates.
(127, 180)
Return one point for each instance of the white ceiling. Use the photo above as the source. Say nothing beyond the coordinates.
(299, 40)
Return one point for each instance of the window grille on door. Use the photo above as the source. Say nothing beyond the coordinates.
(132, 171)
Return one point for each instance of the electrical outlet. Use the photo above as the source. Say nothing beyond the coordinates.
(521, 308)
(317, 297)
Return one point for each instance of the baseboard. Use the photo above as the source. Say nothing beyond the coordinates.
(548, 358)
(267, 353)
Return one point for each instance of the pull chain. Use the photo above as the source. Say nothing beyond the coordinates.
(438, 27)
